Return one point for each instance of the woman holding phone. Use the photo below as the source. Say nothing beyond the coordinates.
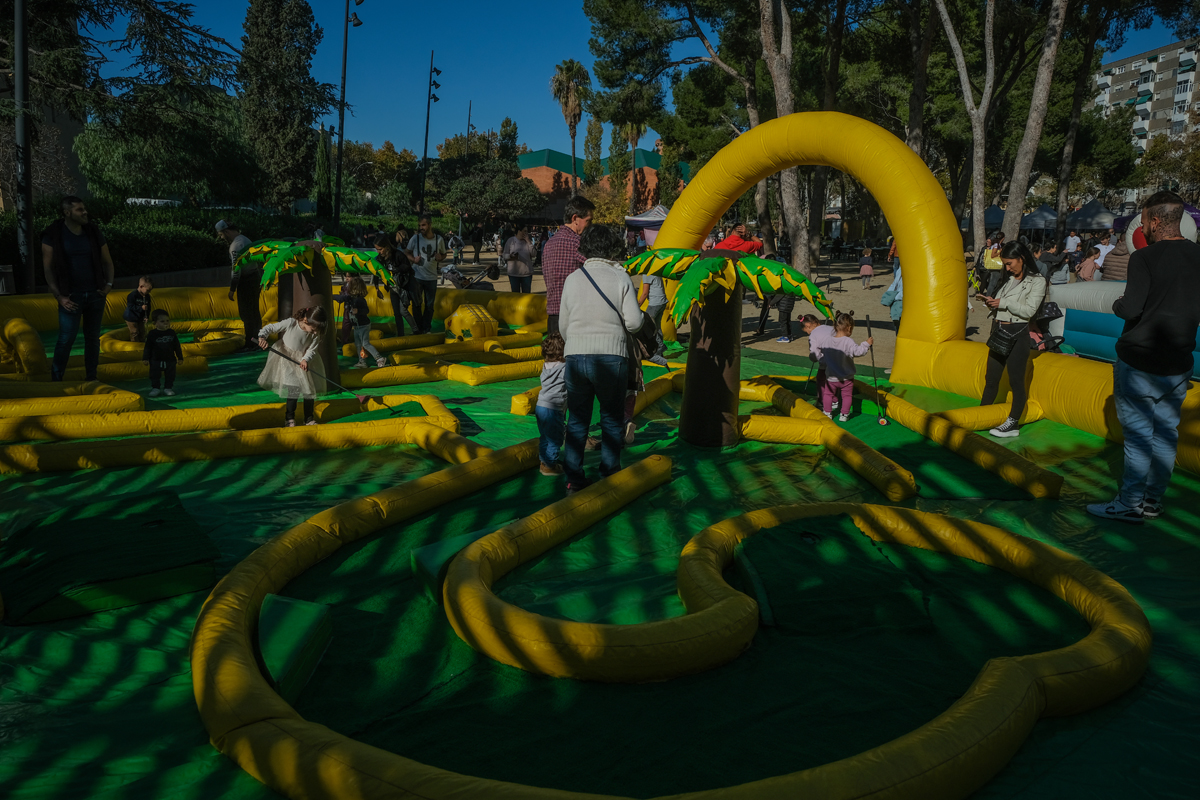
(1014, 307)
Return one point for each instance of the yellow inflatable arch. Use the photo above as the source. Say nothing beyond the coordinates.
(931, 348)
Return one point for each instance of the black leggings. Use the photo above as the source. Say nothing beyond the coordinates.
(1016, 362)
(785, 318)
(290, 412)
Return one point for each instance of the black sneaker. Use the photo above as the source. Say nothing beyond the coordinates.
(1118, 511)
(1007, 429)
(1151, 509)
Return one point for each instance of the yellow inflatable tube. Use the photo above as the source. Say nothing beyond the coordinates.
(143, 451)
(18, 399)
(388, 344)
(114, 373)
(192, 420)
(182, 303)
(208, 343)
(991, 456)
(652, 651)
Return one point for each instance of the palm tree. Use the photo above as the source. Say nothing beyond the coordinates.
(710, 296)
(568, 86)
(633, 131)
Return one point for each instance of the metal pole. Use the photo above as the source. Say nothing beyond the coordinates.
(24, 198)
(425, 153)
(460, 216)
(337, 190)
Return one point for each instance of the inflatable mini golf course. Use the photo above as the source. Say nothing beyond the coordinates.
(847, 611)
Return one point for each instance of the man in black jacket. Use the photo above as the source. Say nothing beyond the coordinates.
(1154, 358)
(79, 272)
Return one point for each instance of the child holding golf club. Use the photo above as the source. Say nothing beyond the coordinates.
(294, 369)
(836, 351)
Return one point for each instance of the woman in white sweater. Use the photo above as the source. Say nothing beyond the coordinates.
(599, 309)
(1015, 305)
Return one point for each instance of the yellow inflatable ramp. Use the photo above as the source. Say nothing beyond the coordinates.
(1000, 461)
(143, 451)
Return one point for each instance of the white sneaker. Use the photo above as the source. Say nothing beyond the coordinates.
(169, 392)
(1118, 511)
(381, 362)
(844, 418)
(155, 392)
(1007, 429)
(1151, 509)
(361, 365)
(828, 414)
(630, 432)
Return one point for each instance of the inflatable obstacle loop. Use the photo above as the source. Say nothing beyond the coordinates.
(565, 649)
(57, 567)
(278, 257)
(992, 456)
(883, 473)
(113, 372)
(700, 276)
(250, 723)
(981, 418)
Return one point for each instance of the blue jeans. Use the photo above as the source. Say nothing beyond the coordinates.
(520, 284)
(89, 316)
(591, 378)
(423, 294)
(1148, 408)
(552, 427)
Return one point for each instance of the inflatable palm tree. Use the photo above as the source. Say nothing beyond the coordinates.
(710, 295)
(318, 261)
(280, 257)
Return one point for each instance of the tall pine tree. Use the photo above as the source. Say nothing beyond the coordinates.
(619, 163)
(280, 99)
(669, 176)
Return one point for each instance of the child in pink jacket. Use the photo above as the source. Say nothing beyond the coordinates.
(836, 351)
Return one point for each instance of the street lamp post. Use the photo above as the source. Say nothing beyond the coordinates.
(337, 190)
(433, 98)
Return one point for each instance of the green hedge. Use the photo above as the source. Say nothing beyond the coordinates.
(144, 239)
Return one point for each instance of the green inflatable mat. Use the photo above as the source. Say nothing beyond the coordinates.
(103, 555)
(292, 636)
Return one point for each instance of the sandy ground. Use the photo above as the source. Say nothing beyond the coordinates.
(846, 294)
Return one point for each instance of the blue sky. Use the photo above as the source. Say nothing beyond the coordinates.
(497, 56)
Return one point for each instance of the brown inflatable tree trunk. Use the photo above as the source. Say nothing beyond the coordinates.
(317, 290)
(708, 417)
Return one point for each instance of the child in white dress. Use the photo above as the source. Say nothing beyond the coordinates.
(299, 339)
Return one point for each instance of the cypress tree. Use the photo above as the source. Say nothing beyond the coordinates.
(593, 155)
(324, 177)
(281, 100)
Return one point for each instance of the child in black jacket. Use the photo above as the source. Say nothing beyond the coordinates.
(161, 352)
(137, 309)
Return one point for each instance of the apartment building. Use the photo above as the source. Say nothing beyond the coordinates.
(1160, 85)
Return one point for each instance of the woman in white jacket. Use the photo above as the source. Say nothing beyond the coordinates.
(1015, 305)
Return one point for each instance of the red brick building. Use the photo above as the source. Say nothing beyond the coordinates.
(550, 171)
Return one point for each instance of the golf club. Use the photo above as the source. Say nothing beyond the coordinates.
(875, 378)
(362, 398)
(808, 380)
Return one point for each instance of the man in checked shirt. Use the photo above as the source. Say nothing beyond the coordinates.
(561, 255)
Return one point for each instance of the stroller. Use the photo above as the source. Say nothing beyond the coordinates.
(460, 281)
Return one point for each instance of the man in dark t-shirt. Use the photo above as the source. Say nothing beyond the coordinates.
(79, 273)
(1154, 358)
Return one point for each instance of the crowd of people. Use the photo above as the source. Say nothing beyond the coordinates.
(598, 335)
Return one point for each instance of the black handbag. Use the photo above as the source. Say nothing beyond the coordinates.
(1003, 339)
